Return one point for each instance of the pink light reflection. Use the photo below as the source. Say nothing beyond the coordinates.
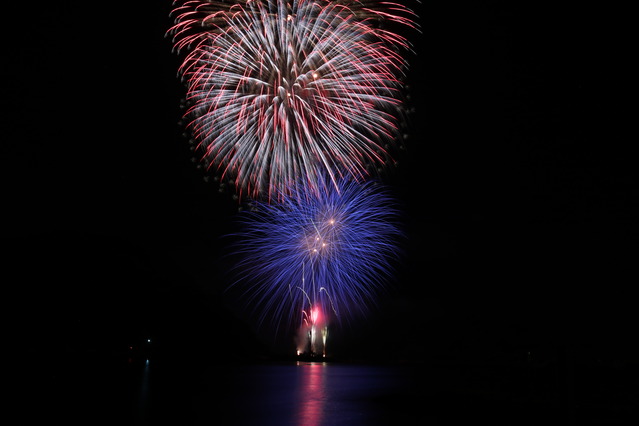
(312, 393)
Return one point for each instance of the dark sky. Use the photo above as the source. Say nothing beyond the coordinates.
(521, 215)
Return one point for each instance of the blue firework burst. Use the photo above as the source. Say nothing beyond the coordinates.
(321, 254)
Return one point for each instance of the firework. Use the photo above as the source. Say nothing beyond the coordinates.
(281, 91)
(317, 256)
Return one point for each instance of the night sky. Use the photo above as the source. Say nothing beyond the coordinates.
(519, 203)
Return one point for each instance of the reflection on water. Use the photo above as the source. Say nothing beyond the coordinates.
(200, 392)
(196, 392)
(296, 393)
(312, 393)
(143, 393)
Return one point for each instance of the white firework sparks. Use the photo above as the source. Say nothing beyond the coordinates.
(282, 91)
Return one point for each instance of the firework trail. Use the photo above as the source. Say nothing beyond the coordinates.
(317, 256)
(284, 91)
